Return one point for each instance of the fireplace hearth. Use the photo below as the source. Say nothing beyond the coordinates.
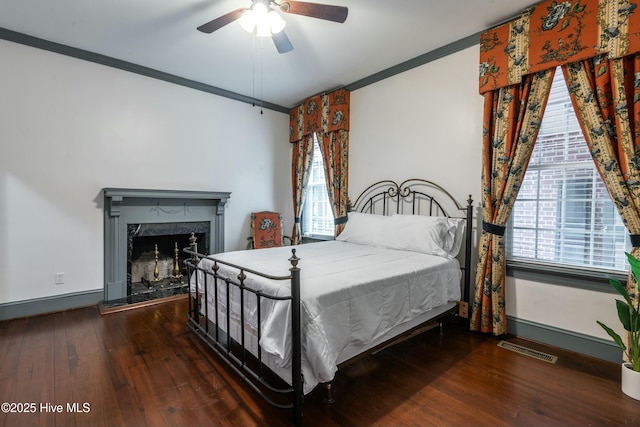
(145, 232)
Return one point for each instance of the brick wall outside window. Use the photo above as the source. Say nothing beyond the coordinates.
(563, 213)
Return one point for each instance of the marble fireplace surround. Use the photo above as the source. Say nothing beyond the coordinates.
(125, 206)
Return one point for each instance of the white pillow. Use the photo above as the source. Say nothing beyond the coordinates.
(364, 229)
(459, 226)
(425, 234)
(439, 236)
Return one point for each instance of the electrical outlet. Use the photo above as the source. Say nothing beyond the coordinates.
(463, 309)
(59, 278)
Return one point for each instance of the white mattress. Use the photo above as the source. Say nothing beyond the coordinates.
(352, 297)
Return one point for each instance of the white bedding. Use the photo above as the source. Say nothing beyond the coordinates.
(351, 296)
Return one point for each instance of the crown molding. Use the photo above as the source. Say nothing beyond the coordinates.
(108, 61)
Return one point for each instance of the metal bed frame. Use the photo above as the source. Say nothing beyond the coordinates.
(414, 196)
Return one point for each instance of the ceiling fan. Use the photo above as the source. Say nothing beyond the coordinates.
(262, 16)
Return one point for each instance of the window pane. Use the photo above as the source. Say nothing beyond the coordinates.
(317, 216)
(563, 213)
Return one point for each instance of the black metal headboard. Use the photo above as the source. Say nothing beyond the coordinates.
(419, 197)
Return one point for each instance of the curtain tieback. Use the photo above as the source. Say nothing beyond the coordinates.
(341, 220)
(635, 240)
(297, 220)
(497, 230)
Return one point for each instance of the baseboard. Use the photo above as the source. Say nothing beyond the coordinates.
(36, 306)
(568, 340)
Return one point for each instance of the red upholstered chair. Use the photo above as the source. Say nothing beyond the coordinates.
(266, 230)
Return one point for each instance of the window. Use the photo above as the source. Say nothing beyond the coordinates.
(563, 214)
(317, 215)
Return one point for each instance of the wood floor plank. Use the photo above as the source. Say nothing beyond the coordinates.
(63, 389)
(33, 382)
(114, 339)
(11, 340)
(144, 367)
(93, 394)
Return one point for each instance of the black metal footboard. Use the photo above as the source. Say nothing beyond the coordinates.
(234, 350)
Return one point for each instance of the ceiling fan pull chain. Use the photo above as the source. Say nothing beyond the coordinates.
(253, 70)
(261, 73)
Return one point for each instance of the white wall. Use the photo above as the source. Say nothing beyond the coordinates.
(423, 123)
(427, 123)
(69, 128)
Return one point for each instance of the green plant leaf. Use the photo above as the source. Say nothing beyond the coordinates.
(621, 289)
(629, 315)
(635, 267)
(624, 314)
(634, 319)
(613, 335)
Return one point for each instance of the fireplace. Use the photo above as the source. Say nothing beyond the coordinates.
(145, 232)
(155, 260)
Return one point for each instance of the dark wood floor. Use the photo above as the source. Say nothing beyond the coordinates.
(144, 368)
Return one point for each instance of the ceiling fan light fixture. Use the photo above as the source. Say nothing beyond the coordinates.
(263, 29)
(248, 21)
(264, 21)
(276, 22)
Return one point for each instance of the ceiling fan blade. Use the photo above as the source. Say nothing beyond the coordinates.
(221, 21)
(315, 10)
(282, 42)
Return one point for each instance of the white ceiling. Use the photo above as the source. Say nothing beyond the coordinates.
(162, 35)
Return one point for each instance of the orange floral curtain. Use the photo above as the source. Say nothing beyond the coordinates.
(512, 117)
(335, 152)
(606, 97)
(575, 34)
(301, 158)
(327, 116)
(554, 33)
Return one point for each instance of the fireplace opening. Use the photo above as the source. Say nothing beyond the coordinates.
(157, 262)
(155, 259)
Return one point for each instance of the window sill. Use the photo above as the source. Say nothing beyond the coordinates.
(316, 238)
(593, 280)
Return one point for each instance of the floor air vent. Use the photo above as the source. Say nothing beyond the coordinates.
(528, 352)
